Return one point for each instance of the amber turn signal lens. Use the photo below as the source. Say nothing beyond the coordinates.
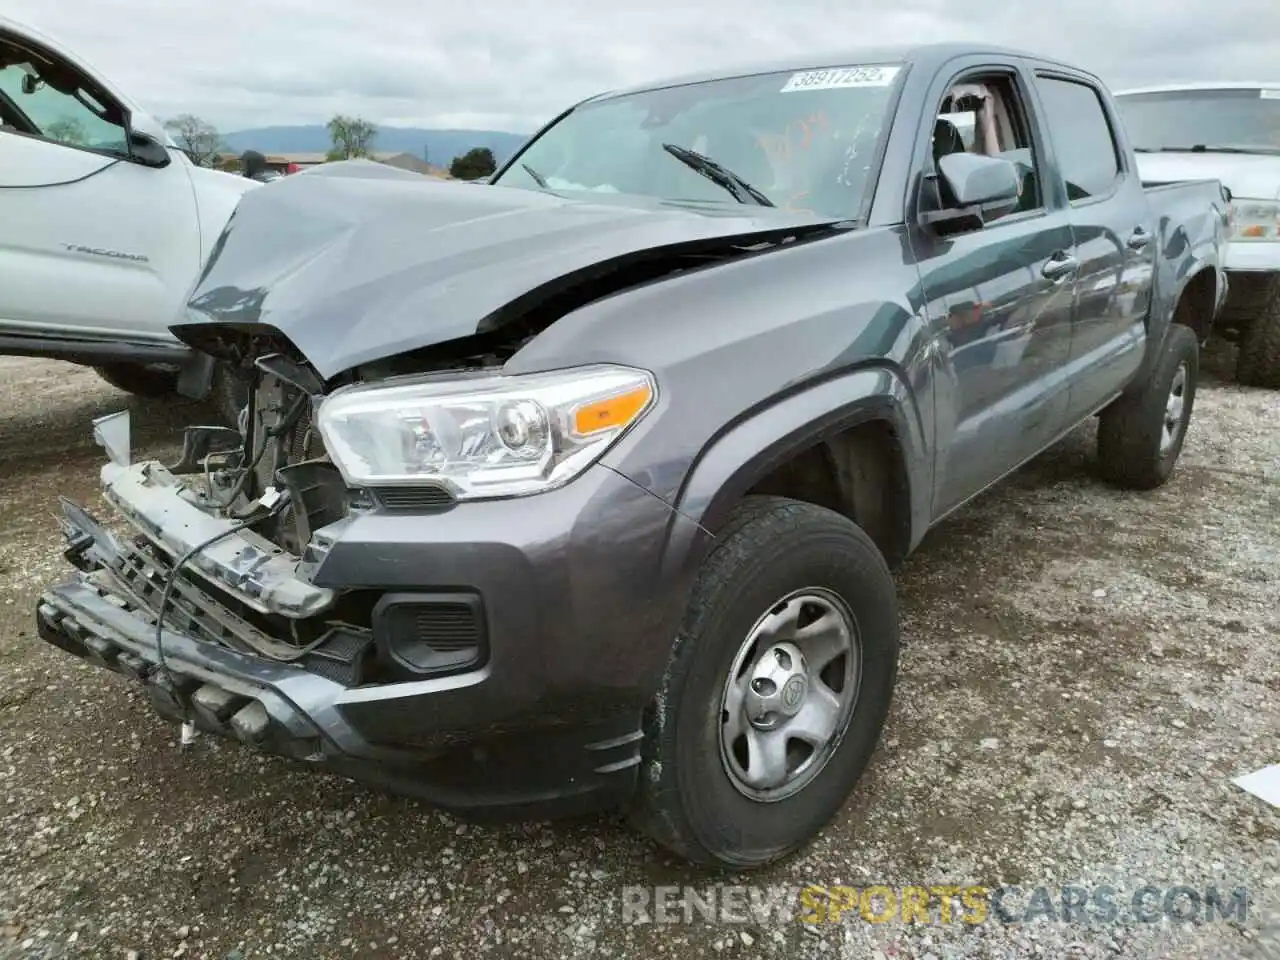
(611, 412)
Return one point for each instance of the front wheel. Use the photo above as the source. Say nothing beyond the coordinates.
(777, 689)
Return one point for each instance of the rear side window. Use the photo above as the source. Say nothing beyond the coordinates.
(1082, 137)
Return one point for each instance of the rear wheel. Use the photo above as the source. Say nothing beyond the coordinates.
(1140, 435)
(777, 689)
(140, 379)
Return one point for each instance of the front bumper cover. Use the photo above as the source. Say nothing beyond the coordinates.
(288, 712)
(581, 599)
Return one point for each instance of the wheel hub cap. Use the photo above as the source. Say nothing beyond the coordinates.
(779, 682)
(789, 695)
(1173, 409)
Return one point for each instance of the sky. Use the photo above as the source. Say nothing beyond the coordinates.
(511, 65)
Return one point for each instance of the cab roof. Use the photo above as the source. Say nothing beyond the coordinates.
(928, 56)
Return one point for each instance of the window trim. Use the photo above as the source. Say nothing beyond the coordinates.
(1122, 166)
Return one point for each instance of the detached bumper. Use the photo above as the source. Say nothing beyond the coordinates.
(291, 713)
(579, 597)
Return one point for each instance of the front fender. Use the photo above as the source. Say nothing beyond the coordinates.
(753, 445)
(749, 449)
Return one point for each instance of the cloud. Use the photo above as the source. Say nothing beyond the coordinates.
(511, 65)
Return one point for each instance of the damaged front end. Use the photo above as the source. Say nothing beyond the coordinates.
(251, 515)
(208, 585)
(447, 592)
(223, 546)
(212, 617)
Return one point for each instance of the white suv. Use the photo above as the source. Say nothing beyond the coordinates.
(104, 222)
(1228, 132)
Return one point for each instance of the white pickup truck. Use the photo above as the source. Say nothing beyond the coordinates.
(104, 223)
(1228, 132)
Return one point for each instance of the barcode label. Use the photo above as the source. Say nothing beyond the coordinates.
(836, 77)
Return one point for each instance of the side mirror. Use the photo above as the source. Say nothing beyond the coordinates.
(975, 190)
(147, 150)
(976, 180)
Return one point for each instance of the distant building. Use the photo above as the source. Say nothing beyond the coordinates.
(297, 161)
(411, 161)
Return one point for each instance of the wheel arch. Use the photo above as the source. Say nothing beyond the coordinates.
(1193, 299)
(1197, 302)
(854, 442)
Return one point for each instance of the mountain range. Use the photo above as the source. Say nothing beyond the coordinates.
(440, 146)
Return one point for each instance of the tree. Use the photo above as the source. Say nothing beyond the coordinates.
(67, 130)
(476, 162)
(351, 136)
(199, 140)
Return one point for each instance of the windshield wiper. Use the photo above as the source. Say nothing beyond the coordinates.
(1234, 148)
(742, 191)
(538, 178)
(1213, 148)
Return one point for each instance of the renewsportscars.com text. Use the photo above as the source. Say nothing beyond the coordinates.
(932, 904)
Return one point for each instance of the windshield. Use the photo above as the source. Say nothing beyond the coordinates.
(802, 141)
(1246, 119)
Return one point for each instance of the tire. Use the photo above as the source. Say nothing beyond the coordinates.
(1249, 296)
(1258, 362)
(692, 798)
(1140, 435)
(140, 380)
(228, 394)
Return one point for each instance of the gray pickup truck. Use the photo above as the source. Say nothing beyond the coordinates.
(583, 487)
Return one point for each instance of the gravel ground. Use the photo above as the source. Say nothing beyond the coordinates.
(1084, 670)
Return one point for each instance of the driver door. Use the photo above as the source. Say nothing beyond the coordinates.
(1001, 305)
(92, 243)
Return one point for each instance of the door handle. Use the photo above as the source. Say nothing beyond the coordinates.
(1060, 267)
(1139, 239)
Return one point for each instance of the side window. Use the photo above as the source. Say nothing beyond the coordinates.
(1082, 137)
(985, 115)
(54, 103)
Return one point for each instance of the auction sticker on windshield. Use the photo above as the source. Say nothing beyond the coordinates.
(834, 77)
(1270, 94)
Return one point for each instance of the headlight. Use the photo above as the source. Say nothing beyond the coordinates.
(483, 436)
(1255, 220)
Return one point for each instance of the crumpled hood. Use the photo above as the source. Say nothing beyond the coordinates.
(1246, 175)
(357, 261)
